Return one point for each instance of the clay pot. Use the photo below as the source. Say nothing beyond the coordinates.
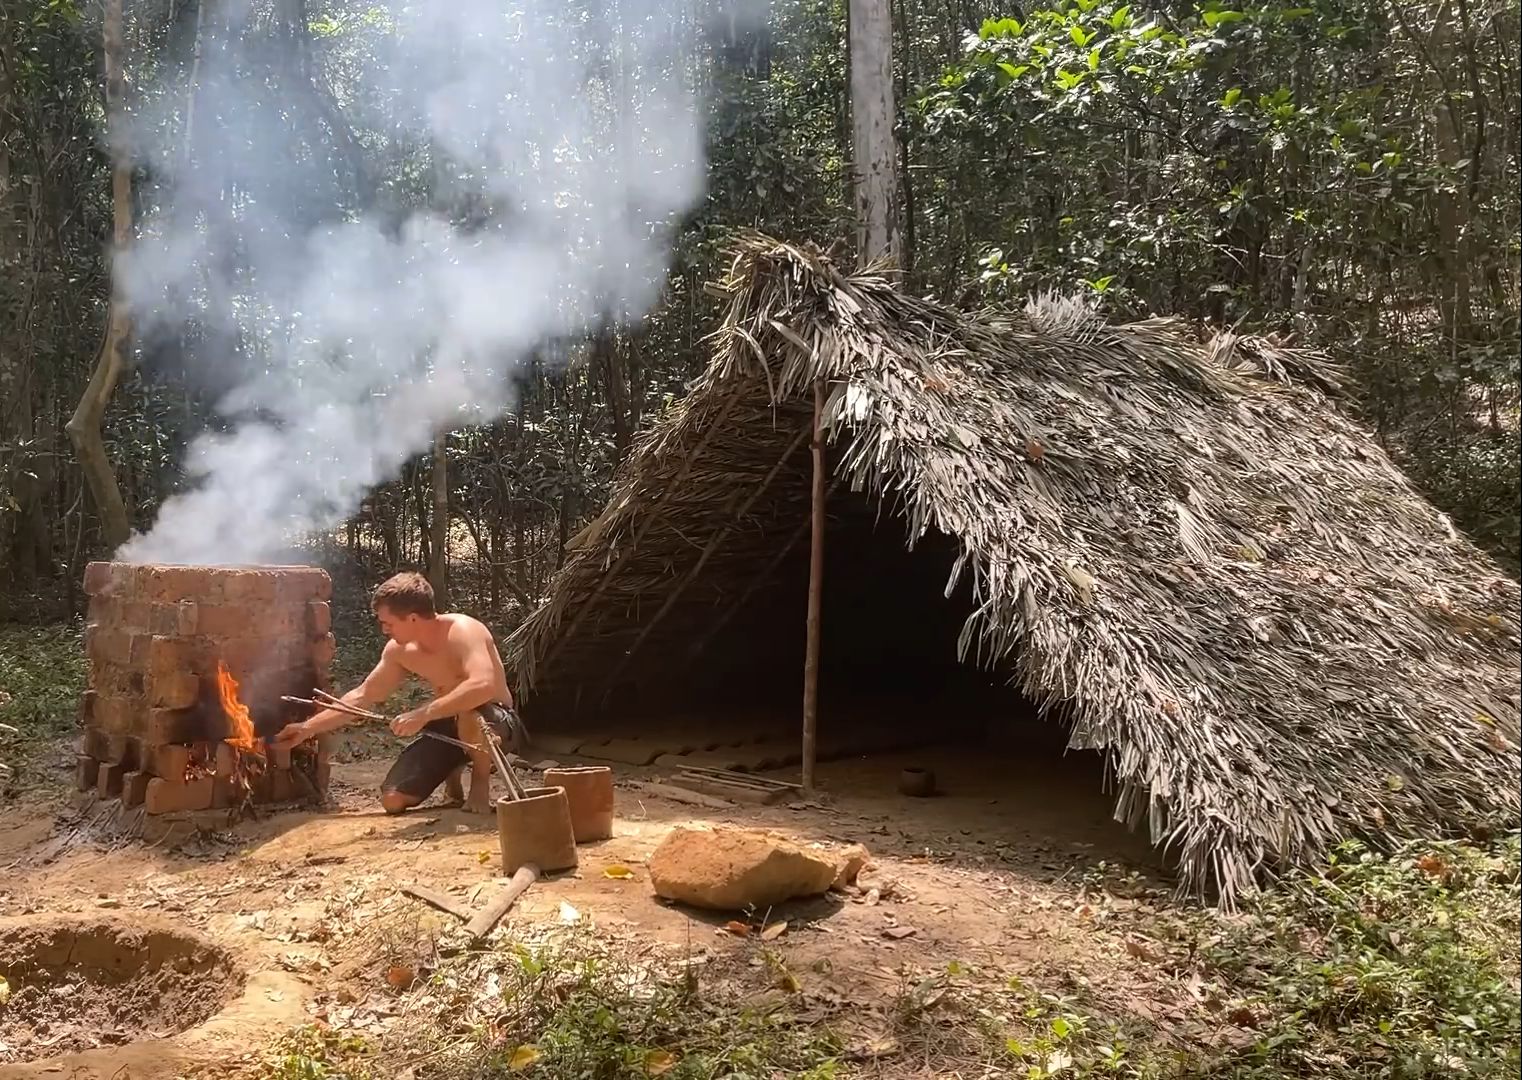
(536, 829)
(917, 782)
(589, 790)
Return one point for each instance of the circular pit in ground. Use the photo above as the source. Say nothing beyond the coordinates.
(75, 984)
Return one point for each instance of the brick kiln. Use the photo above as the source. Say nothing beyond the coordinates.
(188, 665)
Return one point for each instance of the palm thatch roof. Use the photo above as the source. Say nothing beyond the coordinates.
(1188, 553)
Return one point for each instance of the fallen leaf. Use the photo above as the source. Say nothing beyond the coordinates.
(523, 1057)
(774, 931)
(618, 872)
(399, 976)
(737, 928)
(274, 995)
(1141, 950)
(568, 914)
(1242, 1016)
(659, 1062)
(483, 857)
(1433, 866)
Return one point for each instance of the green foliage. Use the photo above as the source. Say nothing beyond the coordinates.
(42, 678)
(1409, 961)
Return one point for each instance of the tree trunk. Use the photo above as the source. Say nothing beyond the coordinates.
(878, 196)
(438, 563)
(84, 427)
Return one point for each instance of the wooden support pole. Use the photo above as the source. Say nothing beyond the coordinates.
(816, 595)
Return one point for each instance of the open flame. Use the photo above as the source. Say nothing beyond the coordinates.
(238, 718)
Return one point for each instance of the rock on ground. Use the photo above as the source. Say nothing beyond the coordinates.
(730, 869)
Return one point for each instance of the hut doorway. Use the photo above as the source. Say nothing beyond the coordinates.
(893, 695)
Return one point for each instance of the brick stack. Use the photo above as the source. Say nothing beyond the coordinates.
(153, 721)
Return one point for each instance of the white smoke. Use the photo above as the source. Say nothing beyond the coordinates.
(578, 141)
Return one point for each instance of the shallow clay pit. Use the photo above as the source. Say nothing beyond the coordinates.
(78, 984)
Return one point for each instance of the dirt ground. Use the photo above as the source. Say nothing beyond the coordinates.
(998, 874)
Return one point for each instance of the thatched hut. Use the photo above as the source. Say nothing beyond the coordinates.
(1186, 554)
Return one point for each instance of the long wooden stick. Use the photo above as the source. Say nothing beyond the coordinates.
(444, 902)
(816, 594)
(492, 914)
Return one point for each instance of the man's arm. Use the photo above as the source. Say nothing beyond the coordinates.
(477, 688)
(380, 684)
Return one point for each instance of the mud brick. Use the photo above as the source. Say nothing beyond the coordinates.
(171, 584)
(122, 750)
(115, 714)
(300, 583)
(282, 786)
(319, 618)
(245, 655)
(178, 690)
(104, 609)
(86, 708)
(162, 726)
(158, 655)
(280, 757)
(86, 772)
(135, 616)
(108, 644)
(178, 619)
(169, 762)
(135, 788)
(170, 796)
(324, 763)
(108, 779)
(324, 649)
(94, 743)
(248, 587)
(112, 579)
(97, 578)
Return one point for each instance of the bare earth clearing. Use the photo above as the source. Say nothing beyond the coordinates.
(972, 881)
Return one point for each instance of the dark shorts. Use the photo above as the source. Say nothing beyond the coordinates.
(426, 763)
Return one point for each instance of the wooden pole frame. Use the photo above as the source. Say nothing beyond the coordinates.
(816, 594)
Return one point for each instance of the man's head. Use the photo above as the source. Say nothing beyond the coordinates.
(404, 607)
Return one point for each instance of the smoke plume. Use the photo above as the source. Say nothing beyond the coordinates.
(347, 336)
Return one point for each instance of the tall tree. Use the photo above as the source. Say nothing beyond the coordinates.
(84, 427)
(878, 193)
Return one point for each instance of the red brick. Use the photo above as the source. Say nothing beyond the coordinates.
(170, 726)
(169, 761)
(168, 797)
(282, 786)
(177, 690)
(86, 772)
(108, 780)
(104, 609)
(135, 788)
(324, 649)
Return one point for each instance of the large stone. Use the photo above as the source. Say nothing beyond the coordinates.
(730, 869)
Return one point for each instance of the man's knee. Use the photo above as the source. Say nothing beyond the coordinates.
(394, 802)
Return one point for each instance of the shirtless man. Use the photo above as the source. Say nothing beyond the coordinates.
(454, 654)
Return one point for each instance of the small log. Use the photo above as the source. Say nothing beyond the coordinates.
(682, 795)
(492, 913)
(443, 901)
